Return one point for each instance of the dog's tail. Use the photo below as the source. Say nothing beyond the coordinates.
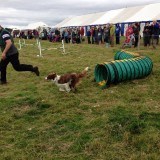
(83, 73)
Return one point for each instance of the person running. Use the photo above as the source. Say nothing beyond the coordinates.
(10, 54)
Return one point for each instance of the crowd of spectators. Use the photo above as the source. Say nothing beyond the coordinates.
(108, 34)
(70, 35)
(151, 34)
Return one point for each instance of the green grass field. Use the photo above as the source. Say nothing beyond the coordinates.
(37, 122)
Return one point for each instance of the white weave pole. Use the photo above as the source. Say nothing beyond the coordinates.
(40, 49)
(37, 41)
(63, 47)
(20, 46)
(139, 41)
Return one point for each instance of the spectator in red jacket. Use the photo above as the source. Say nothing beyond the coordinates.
(82, 33)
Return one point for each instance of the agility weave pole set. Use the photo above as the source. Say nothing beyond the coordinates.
(42, 49)
(39, 46)
(21, 44)
(126, 66)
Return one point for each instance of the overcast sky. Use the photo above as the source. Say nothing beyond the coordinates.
(22, 12)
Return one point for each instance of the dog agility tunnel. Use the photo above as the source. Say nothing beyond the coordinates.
(125, 55)
(126, 66)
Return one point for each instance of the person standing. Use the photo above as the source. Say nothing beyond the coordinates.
(96, 35)
(100, 33)
(155, 33)
(118, 31)
(89, 35)
(82, 33)
(11, 54)
(112, 34)
(93, 35)
(147, 34)
(107, 35)
(136, 31)
(65, 34)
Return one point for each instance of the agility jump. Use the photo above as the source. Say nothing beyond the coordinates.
(62, 48)
(39, 46)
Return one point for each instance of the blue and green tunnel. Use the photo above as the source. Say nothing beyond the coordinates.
(126, 66)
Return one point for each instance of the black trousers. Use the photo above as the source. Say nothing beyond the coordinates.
(117, 39)
(14, 59)
(136, 40)
(89, 40)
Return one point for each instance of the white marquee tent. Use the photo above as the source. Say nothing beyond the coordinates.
(107, 17)
(147, 13)
(36, 25)
(125, 15)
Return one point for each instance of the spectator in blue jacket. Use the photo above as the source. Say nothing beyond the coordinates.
(117, 33)
(89, 36)
(155, 33)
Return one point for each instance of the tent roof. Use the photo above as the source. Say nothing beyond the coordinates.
(63, 22)
(124, 15)
(82, 20)
(147, 13)
(36, 25)
(107, 17)
(92, 17)
(157, 16)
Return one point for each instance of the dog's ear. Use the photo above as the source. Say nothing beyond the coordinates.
(51, 76)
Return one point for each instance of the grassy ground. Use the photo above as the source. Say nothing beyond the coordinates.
(39, 122)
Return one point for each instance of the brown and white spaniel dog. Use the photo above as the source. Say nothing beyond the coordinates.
(67, 82)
